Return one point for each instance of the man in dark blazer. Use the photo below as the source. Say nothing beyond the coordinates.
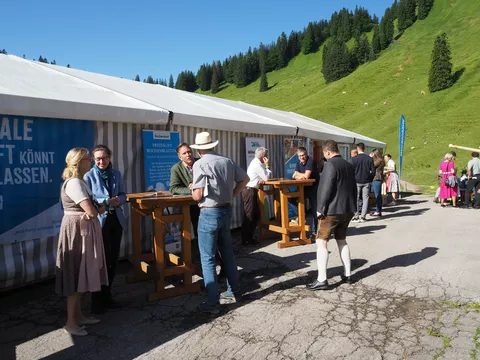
(337, 202)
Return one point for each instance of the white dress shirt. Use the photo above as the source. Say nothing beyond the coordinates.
(256, 171)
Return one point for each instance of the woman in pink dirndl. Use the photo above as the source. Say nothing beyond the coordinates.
(447, 169)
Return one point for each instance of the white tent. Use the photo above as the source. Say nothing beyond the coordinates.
(189, 109)
(29, 89)
(306, 126)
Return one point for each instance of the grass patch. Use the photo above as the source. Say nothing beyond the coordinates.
(397, 77)
(446, 342)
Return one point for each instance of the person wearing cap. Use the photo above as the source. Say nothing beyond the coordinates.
(473, 173)
(258, 171)
(217, 180)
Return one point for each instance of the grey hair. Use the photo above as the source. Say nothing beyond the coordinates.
(260, 152)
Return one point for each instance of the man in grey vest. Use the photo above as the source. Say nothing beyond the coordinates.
(473, 173)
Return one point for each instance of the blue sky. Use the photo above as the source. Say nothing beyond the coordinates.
(158, 38)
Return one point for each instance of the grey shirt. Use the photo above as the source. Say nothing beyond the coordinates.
(217, 175)
(474, 164)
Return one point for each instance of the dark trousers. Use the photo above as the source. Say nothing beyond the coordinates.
(194, 215)
(472, 184)
(112, 237)
(377, 189)
(251, 214)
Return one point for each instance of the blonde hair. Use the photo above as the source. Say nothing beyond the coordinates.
(72, 160)
(449, 156)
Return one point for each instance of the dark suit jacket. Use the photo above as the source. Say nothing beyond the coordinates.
(337, 192)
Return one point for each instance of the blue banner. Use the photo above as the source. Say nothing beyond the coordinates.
(159, 149)
(32, 159)
(403, 129)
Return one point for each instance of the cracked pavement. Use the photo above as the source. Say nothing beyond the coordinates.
(416, 297)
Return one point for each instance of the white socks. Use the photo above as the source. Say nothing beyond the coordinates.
(322, 260)
(344, 252)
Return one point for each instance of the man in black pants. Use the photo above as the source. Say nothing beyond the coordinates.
(106, 185)
(258, 171)
(473, 173)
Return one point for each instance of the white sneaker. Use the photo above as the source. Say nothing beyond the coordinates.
(362, 220)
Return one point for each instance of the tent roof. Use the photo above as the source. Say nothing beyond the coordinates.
(29, 89)
(188, 108)
(38, 89)
(307, 127)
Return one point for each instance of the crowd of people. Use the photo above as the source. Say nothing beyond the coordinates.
(459, 188)
(93, 222)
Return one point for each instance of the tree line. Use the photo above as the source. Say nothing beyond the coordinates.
(338, 61)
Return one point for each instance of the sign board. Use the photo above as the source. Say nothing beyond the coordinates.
(403, 130)
(32, 159)
(251, 144)
(159, 154)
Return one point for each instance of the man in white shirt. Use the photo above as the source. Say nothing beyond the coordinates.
(258, 171)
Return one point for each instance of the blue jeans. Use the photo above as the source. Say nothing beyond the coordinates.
(310, 193)
(213, 231)
(377, 189)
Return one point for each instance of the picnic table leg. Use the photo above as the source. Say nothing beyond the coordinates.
(301, 213)
(284, 216)
(159, 248)
(187, 246)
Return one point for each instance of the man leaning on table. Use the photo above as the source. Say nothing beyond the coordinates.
(307, 168)
(258, 171)
(217, 180)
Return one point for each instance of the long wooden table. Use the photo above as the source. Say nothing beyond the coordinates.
(164, 263)
(281, 224)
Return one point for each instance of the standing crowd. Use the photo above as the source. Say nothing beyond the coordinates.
(93, 222)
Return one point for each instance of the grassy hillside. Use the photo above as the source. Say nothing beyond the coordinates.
(397, 77)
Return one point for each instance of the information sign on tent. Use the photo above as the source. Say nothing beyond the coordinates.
(32, 159)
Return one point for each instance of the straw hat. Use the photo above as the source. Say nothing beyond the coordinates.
(204, 141)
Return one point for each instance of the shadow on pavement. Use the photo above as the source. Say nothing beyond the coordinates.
(363, 230)
(403, 260)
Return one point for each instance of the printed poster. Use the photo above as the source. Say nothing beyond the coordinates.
(32, 159)
(159, 149)
(251, 144)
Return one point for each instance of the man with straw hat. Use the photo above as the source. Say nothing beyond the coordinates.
(217, 180)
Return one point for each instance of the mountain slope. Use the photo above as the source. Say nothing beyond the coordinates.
(398, 77)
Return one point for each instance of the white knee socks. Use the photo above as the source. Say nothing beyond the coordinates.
(344, 252)
(322, 260)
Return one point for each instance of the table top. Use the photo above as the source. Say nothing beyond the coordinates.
(290, 182)
(151, 199)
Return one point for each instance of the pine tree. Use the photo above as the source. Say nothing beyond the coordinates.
(336, 61)
(387, 29)
(406, 14)
(40, 59)
(240, 72)
(170, 82)
(215, 81)
(375, 19)
(394, 8)
(293, 45)
(334, 23)
(360, 51)
(424, 7)
(282, 57)
(186, 81)
(345, 26)
(440, 75)
(150, 80)
(219, 69)
(53, 62)
(137, 78)
(376, 41)
(68, 66)
(263, 73)
(308, 42)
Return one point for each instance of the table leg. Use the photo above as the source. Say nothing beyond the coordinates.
(187, 246)
(159, 248)
(301, 213)
(284, 216)
(136, 246)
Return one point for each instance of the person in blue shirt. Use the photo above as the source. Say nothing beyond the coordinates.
(307, 168)
(106, 184)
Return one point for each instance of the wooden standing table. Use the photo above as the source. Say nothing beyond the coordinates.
(165, 263)
(281, 224)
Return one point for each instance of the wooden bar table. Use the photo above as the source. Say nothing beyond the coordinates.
(281, 223)
(164, 263)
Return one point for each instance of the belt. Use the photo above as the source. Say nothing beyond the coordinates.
(223, 206)
(252, 188)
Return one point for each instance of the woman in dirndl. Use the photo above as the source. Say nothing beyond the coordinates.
(393, 182)
(80, 265)
(447, 170)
